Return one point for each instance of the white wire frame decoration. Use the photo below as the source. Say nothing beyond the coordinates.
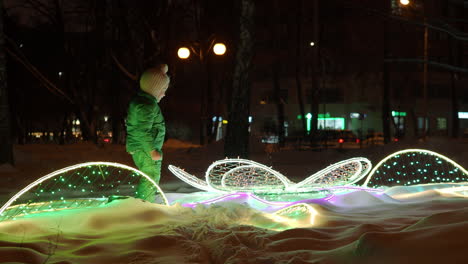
(84, 185)
(415, 166)
(230, 175)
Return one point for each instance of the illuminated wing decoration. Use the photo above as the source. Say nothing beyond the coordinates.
(189, 178)
(246, 175)
(231, 175)
(342, 173)
(80, 186)
(415, 166)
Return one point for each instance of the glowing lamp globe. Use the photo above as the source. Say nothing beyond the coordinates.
(404, 2)
(183, 53)
(219, 49)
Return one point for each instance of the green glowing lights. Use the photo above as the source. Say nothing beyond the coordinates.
(324, 121)
(415, 166)
(78, 186)
(396, 113)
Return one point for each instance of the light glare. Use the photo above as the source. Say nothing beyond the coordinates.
(219, 49)
(183, 53)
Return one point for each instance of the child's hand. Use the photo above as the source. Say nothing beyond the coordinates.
(155, 155)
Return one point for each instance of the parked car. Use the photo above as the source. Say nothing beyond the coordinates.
(377, 138)
(374, 138)
(337, 139)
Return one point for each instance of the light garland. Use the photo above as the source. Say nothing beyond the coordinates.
(343, 173)
(240, 174)
(83, 185)
(415, 166)
(189, 178)
(93, 184)
(231, 175)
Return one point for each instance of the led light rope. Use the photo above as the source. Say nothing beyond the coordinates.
(84, 180)
(230, 175)
(217, 171)
(416, 168)
(358, 174)
(189, 178)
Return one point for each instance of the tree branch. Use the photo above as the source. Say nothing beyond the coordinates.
(123, 69)
(433, 63)
(35, 72)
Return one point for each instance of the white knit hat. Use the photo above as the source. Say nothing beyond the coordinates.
(154, 79)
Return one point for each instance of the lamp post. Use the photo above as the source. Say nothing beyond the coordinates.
(425, 122)
(201, 51)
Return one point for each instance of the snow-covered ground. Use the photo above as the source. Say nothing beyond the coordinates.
(402, 225)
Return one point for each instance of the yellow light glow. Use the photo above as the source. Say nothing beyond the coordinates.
(219, 49)
(183, 53)
(225, 121)
(404, 2)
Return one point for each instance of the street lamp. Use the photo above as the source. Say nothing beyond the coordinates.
(404, 2)
(183, 53)
(201, 50)
(425, 70)
(218, 49)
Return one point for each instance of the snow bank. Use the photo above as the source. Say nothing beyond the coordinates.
(357, 227)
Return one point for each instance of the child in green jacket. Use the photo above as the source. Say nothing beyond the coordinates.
(146, 128)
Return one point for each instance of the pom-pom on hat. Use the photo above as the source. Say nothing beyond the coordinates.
(155, 79)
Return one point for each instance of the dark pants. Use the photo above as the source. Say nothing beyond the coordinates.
(144, 163)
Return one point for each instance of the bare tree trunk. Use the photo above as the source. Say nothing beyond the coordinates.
(237, 138)
(386, 83)
(6, 146)
(298, 66)
(314, 95)
(455, 58)
(279, 104)
(455, 123)
(276, 71)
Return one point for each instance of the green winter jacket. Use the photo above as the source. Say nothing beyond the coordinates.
(145, 124)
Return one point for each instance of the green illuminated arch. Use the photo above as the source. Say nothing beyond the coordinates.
(83, 185)
(415, 166)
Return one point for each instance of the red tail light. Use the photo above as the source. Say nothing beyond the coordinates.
(106, 140)
(358, 140)
(340, 140)
(395, 139)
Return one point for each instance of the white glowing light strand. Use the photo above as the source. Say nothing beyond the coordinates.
(358, 175)
(367, 165)
(297, 207)
(289, 186)
(237, 171)
(322, 173)
(55, 173)
(189, 178)
(278, 175)
(413, 150)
